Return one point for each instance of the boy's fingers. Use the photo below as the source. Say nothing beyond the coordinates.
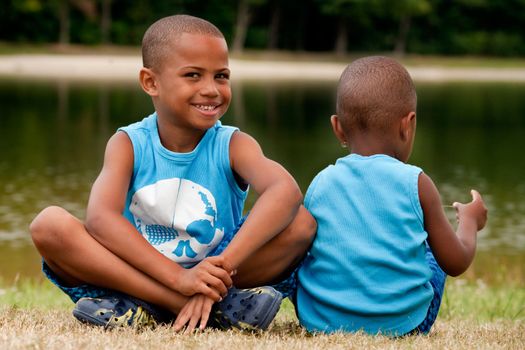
(475, 195)
(217, 273)
(206, 309)
(217, 284)
(181, 320)
(191, 325)
(210, 293)
(217, 261)
(196, 315)
(223, 275)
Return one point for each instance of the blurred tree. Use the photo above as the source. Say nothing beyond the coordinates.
(344, 11)
(88, 8)
(105, 22)
(26, 21)
(244, 17)
(402, 11)
(275, 21)
(64, 20)
(405, 10)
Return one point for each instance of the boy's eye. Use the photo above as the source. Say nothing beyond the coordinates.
(192, 75)
(223, 76)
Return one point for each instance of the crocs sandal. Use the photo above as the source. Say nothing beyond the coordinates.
(119, 311)
(246, 309)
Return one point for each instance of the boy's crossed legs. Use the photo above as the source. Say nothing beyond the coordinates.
(82, 267)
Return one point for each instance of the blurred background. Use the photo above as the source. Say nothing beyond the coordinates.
(470, 134)
(442, 27)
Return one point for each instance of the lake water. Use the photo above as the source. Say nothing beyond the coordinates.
(470, 135)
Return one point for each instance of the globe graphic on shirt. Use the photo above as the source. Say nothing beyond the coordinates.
(178, 217)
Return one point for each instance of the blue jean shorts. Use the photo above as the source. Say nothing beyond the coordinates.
(438, 285)
(287, 287)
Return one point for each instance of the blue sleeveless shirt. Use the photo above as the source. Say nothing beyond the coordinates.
(366, 269)
(183, 203)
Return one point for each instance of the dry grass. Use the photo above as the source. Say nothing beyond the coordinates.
(41, 329)
(35, 315)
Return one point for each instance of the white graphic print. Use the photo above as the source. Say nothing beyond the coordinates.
(178, 218)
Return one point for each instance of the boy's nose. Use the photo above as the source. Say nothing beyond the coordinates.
(209, 88)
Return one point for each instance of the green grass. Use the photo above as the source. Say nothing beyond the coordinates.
(480, 302)
(34, 314)
(462, 300)
(33, 293)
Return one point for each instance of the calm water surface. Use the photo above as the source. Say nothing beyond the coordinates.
(53, 134)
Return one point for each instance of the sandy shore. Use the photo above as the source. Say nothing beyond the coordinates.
(125, 68)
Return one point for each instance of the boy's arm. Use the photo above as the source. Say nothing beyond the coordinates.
(454, 251)
(105, 222)
(277, 204)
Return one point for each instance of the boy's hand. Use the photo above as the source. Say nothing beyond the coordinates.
(207, 277)
(197, 309)
(474, 210)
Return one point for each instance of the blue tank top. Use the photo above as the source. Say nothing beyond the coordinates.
(366, 269)
(184, 204)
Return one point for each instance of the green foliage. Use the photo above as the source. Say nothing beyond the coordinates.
(28, 6)
(473, 27)
(488, 43)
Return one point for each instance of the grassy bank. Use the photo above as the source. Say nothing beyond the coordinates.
(34, 314)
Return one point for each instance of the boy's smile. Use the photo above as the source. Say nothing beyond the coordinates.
(192, 87)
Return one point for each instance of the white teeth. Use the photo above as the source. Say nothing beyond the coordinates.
(205, 107)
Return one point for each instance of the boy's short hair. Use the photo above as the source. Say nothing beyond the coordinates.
(373, 92)
(158, 39)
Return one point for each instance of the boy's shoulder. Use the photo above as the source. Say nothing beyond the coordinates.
(371, 163)
(377, 169)
(147, 123)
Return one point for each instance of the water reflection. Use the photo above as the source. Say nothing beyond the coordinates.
(53, 134)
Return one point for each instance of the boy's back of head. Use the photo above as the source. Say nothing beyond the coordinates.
(160, 36)
(372, 93)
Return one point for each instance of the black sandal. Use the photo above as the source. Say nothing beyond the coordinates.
(246, 309)
(119, 310)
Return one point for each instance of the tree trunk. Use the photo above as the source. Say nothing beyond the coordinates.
(105, 22)
(64, 20)
(401, 42)
(273, 31)
(241, 26)
(341, 42)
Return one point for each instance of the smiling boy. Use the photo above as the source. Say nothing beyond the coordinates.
(164, 220)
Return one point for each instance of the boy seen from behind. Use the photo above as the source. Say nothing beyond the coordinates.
(384, 244)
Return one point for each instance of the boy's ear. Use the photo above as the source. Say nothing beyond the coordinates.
(338, 129)
(407, 126)
(148, 81)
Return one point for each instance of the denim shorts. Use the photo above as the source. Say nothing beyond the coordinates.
(286, 287)
(438, 285)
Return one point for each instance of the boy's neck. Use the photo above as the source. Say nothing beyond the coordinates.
(366, 144)
(177, 139)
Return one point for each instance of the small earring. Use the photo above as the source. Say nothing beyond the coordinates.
(344, 145)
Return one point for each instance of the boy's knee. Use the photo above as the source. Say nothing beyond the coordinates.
(46, 225)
